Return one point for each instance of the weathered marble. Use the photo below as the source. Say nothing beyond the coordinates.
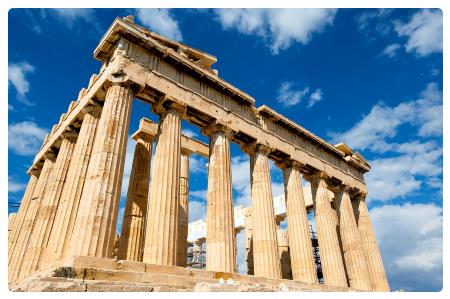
(375, 266)
(97, 214)
(325, 218)
(162, 220)
(131, 244)
(301, 253)
(355, 261)
(220, 238)
(266, 260)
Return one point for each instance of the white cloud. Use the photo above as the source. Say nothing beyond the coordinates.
(391, 50)
(279, 27)
(25, 138)
(374, 20)
(189, 133)
(410, 164)
(14, 186)
(410, 240)
(423, 32)
(128, 165)
(240, 169)
(400, 175)
(383, 121)
(199, 194)
(120, 219)
(315, 97)
(69, 16)
(198, 164)
(288, 96)
(161, 21)
(17, 77)
(197, 210)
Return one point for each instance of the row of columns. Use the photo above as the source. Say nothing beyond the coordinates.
(88, 172)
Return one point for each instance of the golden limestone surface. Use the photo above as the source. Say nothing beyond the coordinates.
(63, 236)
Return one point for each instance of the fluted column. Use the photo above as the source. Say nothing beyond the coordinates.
(183, 213)
(300, 246)
(162, 221)
(11, 220)
(220, 249)
(97, 214)
(266, 261)
(17, 258)
(60, 238)
(330, 252)
(36, 257)
(248, 228)
(354, 258)
(131, 243)
(375, 266)
(19, 219)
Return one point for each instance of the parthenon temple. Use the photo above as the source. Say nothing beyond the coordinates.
(63, 237)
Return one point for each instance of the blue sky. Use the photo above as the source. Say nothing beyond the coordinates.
(370, 78)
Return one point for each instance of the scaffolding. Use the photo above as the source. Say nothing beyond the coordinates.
(315, 246)
(196, 255)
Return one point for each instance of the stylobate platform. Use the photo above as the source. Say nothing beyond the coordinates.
(89, 274)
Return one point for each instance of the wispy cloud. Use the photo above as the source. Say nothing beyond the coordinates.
(160, 20)
(410, 239)
(391, 50)
(280, 28)
(289, 96)
(17, 73)
(408, 162)
(315, 97)
(424, 32)
(15, 186)
(25, 138)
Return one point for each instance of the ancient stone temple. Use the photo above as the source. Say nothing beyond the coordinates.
(63, 236)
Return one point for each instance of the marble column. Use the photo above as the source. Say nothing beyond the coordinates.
(59, 241)
(220, 249)
(301, 252)
(248, 228)
(131, 243)
(327, 235)
(19, 219)
(36, 255)
(97, 213)
(183, 213)
(17, 259)
(266, 261)
(162, 221)
(377, 274)
(354, 258)
(11, 220)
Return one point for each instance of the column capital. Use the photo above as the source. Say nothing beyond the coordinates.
(69, 134)
(339, 188)
(167, 104)
(255, 147)
(316, 177)
(92, 108)
(217, 127)
(142, 136)
(290, 164)
(34, 171)
(50, 156)
(119, 78)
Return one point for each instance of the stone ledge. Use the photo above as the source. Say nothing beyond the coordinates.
(100, 274)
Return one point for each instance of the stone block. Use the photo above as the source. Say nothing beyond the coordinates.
(172, 270)
(131, 266)
(94, 262)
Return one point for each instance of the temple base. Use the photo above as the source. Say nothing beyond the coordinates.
(87, 274)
